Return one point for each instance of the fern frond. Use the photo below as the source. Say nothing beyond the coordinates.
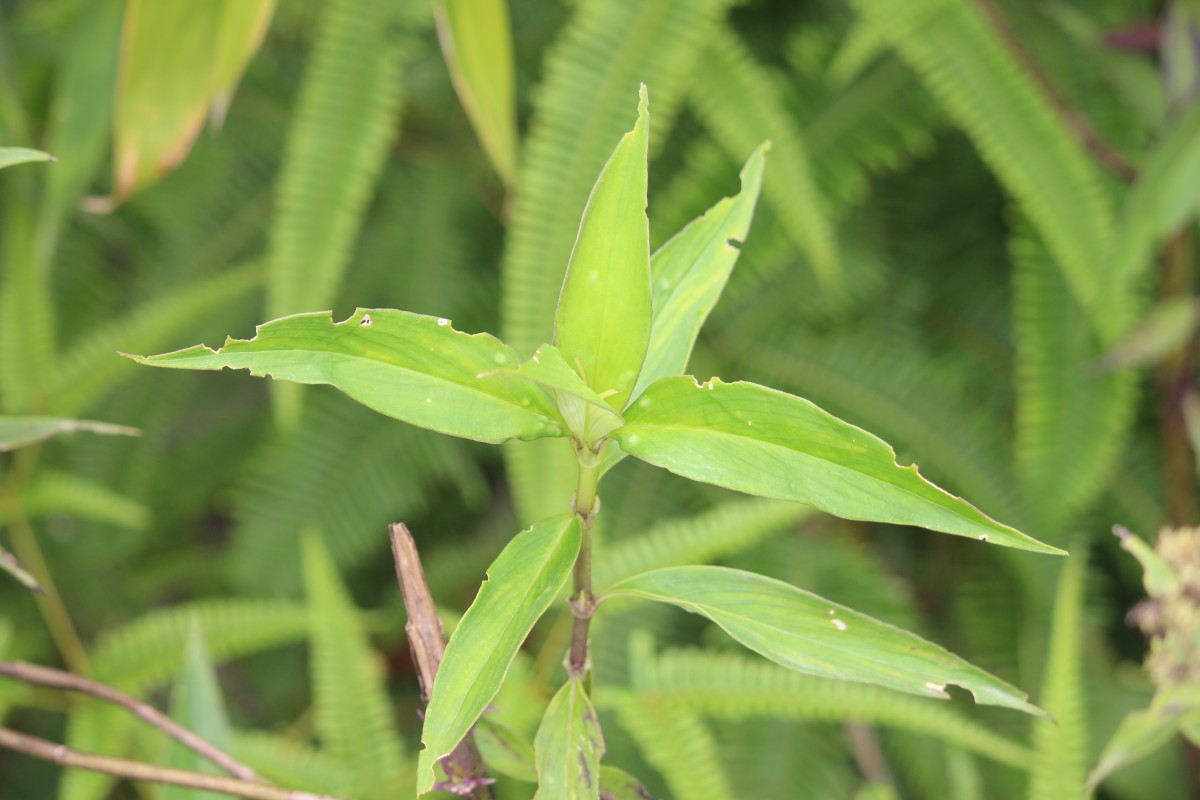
(729, 685)
(353, 719)
(978, 81)
(675, 741)
(1070, 424)
(88, 370)
(346, 115)
(738, 99)
(726, 529)
(1060, 744)
(348, 472)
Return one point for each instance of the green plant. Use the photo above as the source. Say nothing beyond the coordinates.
(610, 385)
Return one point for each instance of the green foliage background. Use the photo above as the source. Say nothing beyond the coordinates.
(931, 260)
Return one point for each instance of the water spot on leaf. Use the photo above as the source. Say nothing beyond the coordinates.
(837, 623)
(443, 321)
(500, 358)
(634, 439)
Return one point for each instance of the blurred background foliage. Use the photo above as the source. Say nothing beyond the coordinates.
(969, 205)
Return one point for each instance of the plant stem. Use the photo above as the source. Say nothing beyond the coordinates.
(137, 771)
(1173, 380)
(44, 676)
(583, 602)
(427, 640)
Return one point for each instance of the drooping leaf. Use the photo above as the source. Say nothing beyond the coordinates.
(197, 705)
(11, 156)
(21, 431)
(807, 633)
(477, 44)
(689, 272)
(603, 318)
(766, 442)
(569, 745)
(408, 366)
(9, 564)
(521, 584)
(505, 751)
(1162, 330)
(177, 63)
(586, 413)
(51, 492)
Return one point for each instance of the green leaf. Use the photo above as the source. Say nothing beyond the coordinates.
(807, 633)
(177, 64)
(586, 413)
(1165, 196)
(1145, 731)
(603, 320)
(476, 42)
(9, 564)
(617, 784)
(765, 442)
(196, 704)
(522, 582)
(689, 273)
(505, 751)
(352, 712)
(569, 745)
(11, 156)
(21, 431)
(1166, 327)
(415, 368)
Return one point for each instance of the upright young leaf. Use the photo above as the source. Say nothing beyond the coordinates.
(408, 366)
(602, 325)
(197, 705)
(568, 747)
(352, 710)
(586, 413)
(765, 442)
(689, 273)
(477, 44)
(522, 582)
(810, 634)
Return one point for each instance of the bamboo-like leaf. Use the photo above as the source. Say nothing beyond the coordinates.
(604, 313)
(22, 431)
(586, 413)
(11, 156)
(569, 745)
(9, 564)
(807, 633)
(1167, 326)
(177, 64)
(765, 442)
(522, 582)
(689, 273)
(1060, 743)
(476, 42)
(408, 366)
(197, 705)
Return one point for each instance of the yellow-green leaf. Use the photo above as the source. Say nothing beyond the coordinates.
(568, 746)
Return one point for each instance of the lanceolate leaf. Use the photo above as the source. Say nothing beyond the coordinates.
(586, 413)
(765, 442)
(604, 313)
(807, 633)
(9, 564)
(20, 431)
(408, 366)
(197, 704)
(477, 43)
(689, 272)
(568, 746)
(522, 582)
(1144, 731)
(505, 751)
(616, 784)
(11, 156)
